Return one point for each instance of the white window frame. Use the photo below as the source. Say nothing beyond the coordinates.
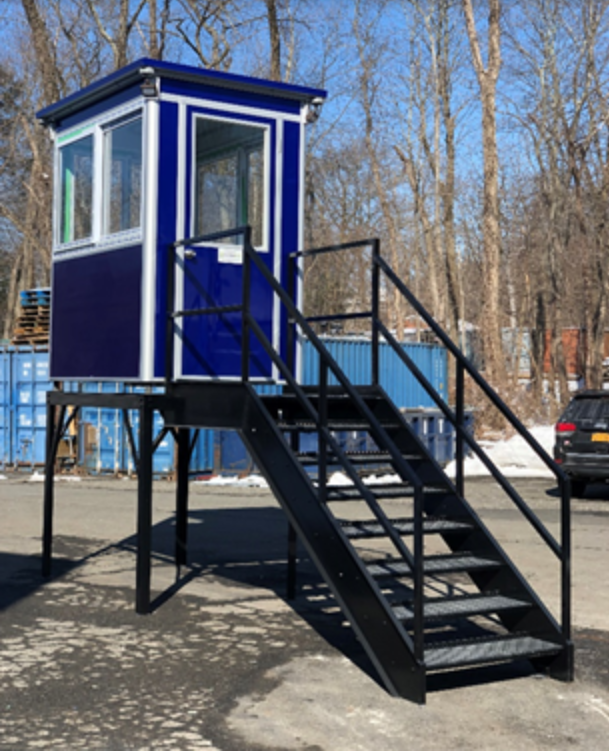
(97, 127)
(266, 183)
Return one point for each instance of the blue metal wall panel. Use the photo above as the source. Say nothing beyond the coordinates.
(166, 218)
(96, 315)
(354, 357)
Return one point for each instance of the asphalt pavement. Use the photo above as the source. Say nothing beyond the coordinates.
(225, 662)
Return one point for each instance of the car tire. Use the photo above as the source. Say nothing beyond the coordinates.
(578, 487)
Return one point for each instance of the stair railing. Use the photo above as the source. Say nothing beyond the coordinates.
(319, 417)
(562, 550)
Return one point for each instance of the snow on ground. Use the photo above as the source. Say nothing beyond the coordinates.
(514, 457)
(37, 477)
(248, 481)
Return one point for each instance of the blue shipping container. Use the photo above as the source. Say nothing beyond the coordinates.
(103, 445)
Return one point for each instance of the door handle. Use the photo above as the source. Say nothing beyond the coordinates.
(189, 254)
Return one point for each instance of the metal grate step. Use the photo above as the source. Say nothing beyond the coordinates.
(356, 458)
(437, 564)
(374, 529)
(337, 424)
(380, 490)
(463, 605)
(488, 650)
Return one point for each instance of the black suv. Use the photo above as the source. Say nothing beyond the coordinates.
(582, 439)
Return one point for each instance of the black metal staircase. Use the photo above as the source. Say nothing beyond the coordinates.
(417, 573)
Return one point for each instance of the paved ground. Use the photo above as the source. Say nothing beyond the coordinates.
(224, 662)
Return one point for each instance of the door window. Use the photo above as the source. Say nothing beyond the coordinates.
(229, 186)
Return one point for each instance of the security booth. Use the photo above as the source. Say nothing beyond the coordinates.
(164, 175)
(150, 155)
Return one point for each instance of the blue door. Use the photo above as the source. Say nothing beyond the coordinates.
(229, 175)
(212, 344)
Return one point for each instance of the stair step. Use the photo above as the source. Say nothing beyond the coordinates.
(488, 650)
(338, 424)
(437, 564)
(356, 458)
(404, 526)
(460, 606)
(380, 491)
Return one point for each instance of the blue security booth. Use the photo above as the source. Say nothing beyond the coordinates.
(177, 269)
(157, 153)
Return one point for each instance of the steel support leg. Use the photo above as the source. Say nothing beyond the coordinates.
(183, 461)
(49, 467)
(292, 553)
(144, 511)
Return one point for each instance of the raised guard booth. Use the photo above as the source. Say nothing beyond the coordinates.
(160, 171)
(178, 228)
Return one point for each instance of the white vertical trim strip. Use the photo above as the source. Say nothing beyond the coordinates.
(278, 246)
(149, 245)
(180, 230)
(301, 227)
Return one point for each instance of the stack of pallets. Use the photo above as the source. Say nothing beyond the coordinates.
(32, 326)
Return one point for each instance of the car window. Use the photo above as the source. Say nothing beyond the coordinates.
(582, 409)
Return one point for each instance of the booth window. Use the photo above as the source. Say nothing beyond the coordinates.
(123, 176)
(101, 182)
(229, 178)
(76, 190)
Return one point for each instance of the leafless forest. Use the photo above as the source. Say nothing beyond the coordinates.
(471, 136)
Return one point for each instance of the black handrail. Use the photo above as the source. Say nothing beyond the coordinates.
(456, 418)
(562, 550)
(327, 363)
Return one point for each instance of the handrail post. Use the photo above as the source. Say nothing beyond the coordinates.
(322, 446)
(418, 605)
(291, 338)
(169, 323)
(460, 416)
(245, 314)
(565, 513)
(375, 310)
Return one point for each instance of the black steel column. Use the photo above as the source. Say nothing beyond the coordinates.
(460, 414)
(183, 461)
(292, 561)
(49, 467)
(144, 510)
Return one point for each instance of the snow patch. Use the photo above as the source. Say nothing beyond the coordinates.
(37, 477)
(514, 457)
(249, 481)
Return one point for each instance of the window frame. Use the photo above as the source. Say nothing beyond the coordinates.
(98, 129)
(242, 152)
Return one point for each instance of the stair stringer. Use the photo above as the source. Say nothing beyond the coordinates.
(386, 642)
(508, 579)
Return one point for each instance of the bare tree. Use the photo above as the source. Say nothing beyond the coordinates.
(487, 76)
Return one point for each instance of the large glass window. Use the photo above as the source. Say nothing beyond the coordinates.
(229, 178)
(76, 170)
(100, 181)
(123, 176)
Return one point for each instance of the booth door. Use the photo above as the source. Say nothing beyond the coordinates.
(230, 165)
(212, 343)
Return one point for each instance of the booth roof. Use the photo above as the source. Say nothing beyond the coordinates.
(140, 69)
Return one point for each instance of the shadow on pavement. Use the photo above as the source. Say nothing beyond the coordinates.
(21, 576)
